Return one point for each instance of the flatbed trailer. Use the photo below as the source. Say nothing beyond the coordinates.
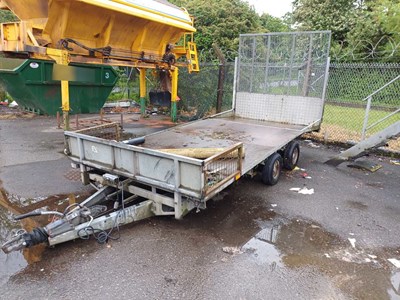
(258, 133)
(190, 178)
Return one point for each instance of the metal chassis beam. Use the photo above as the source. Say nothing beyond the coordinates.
(128, 215)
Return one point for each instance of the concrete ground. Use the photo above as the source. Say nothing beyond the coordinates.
(252, 241)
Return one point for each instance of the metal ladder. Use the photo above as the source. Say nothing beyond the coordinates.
(192, 58)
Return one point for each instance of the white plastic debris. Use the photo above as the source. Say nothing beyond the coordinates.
(312, 145)
(327, 255)
(350, 233)
(372, 256)
(352, 242)
(395, 262)
(232, 250)
(306, 191)
(274, 205)
(13, 104)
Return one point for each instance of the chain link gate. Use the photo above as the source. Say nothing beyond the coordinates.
(283, 74)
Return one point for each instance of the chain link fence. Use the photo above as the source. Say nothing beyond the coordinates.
(349, 86)
(344, 113)
(198, 91)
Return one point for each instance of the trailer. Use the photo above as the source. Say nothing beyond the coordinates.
(279, 92)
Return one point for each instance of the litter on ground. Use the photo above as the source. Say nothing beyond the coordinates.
(365, 165)
(312, 145)
(395, 262)
(304, 190)
(352, 242)
(232, 250)
(395, 162)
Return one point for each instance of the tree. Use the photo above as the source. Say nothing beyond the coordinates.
(375, 35)
(361, 30)
(335, 15)
(273, 24)
(221, 22)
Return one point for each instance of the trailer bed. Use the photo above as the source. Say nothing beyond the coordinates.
(260, 138)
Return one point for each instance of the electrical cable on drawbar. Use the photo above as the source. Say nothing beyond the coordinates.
(100, 235)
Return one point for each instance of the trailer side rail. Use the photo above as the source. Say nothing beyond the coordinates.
(190, 177)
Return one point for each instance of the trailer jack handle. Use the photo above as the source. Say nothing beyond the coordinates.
(37, 213)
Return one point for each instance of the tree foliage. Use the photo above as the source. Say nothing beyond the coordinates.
(334, 15)
(375, 35)
(7, 16)
(273, 24)
(361, 30)
(221, 22)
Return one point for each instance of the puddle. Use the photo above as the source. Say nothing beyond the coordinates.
(394, 290)
(358, 205)
(294, 244)
(280, 244)
(262, 247)
(11, 205)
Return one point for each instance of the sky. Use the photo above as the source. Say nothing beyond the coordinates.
(276, 8)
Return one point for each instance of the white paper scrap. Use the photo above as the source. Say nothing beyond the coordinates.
(395, 262)
(306, 191)
(352, 242)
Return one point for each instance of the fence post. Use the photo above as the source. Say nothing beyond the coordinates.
(367, 109)
(221, 76)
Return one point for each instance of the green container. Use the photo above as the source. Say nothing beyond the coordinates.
(35, 85)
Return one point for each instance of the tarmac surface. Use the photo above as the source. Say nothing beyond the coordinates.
(252, 242)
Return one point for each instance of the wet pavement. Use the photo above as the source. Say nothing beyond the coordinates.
(252, 241)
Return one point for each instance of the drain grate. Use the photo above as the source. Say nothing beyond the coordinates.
(73, 175)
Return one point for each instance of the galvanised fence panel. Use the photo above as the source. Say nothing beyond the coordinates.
(348, 86)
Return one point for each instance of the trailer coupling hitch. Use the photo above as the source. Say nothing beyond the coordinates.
(23, 239)
(66, 222)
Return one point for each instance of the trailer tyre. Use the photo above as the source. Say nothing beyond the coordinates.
(272, 169)
(291, 155)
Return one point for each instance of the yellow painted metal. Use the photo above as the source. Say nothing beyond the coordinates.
(62, 57)
(142, 91)
(27, 9)
(20, 36)
(192, 58)
(132, 33)
(174, 84)
(141, 11)
(99, 23)
(65, 95)
(142, 77)
(136, 30)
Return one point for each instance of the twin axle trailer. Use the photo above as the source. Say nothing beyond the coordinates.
(279, 89)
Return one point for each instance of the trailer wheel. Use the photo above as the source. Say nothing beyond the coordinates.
(291, 155)
(272, 169)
